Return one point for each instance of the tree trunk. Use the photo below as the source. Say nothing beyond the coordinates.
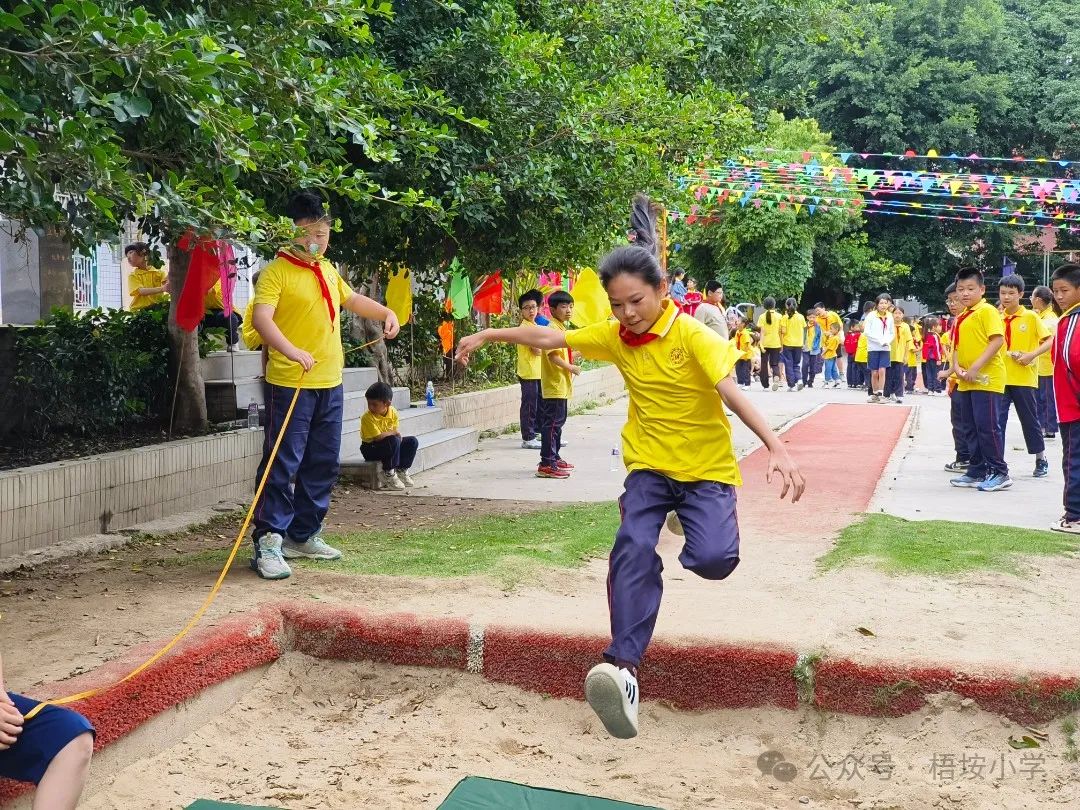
(372, 330)
(189, 411)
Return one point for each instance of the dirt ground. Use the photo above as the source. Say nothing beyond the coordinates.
(316, 734)
(73, 615)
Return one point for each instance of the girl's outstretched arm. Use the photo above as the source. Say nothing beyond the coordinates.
(779, 460)
(520, 335)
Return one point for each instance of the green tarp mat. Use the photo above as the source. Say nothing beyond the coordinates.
(206, 804)
(477, 793)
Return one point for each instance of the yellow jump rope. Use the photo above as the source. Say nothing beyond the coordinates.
(62, 701)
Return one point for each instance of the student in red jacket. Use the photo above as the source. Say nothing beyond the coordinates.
(856, 372)
(931, 355)
(1066, 287)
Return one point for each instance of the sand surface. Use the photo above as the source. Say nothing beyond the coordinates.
(316, 734)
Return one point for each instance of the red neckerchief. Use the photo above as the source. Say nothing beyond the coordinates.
(316, 268)
(631, 339)
(960, 320)
(1008, 330)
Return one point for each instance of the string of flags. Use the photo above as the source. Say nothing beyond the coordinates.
(910, 154)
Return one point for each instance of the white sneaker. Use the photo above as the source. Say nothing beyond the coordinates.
(613, 694)
(799, 386)
(406, 479)
(531, 444)
(674, 525)
(775, 385)
(314, 548)
(268, 562)
(388, 480)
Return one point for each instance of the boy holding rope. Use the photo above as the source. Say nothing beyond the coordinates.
(297, 303)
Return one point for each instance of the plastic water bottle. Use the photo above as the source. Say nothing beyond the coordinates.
(429, 394)
(616, 461)
(253, 415)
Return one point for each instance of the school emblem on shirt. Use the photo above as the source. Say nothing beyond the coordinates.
(677, 356)
(1023, 327)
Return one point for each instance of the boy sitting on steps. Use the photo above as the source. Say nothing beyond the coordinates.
(381, 439)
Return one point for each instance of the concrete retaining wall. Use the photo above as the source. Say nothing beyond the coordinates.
(50, 503)
(497, 408)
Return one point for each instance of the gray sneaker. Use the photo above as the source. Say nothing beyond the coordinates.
(314, 548)
(268, 562)
(406, 479)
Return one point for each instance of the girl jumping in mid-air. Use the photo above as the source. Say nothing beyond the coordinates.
(676, 446)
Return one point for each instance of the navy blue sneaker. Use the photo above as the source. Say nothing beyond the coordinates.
(1042, 468)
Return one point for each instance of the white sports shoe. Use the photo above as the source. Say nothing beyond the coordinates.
(613, 694)
(406, 479)
(388, 480)
(314, 548)
(531, 444)
(268, 562)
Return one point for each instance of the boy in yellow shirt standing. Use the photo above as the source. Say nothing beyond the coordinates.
(297, 306)
(557, 374)
(979, 369)
(1024, 332)
(830, 353)
(744, 345)
(528, 372)
(901, 345)
(793, 336)
(146, 285)
(1042, 300)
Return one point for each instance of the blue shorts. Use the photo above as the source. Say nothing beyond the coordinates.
(41, 740)
(875, 361)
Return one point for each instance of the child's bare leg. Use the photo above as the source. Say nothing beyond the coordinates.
(65, 778)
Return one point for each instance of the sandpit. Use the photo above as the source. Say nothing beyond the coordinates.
(309, 733)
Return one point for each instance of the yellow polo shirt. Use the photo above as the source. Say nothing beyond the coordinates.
(861, 349)
(832, 347)
(252, 339)
(213, 300)
(794, 329)
(555, 383)
(1024, 331)
(744, 344)
(675, 420)
(146, 277)
(300, 312)
(770, 332)
(1045, 361)
(901, 343)
(981, 322)
(827, 320)
(371, 425)
(528, 364)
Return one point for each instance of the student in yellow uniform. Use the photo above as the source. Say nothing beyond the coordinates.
(1025, 331)
(911, 362)
(1042, 300)
(557, 372)
(901, 342)
(771, 347)
(529, 362)
(826, 318)
(298, 304)
(830, 353)
(146, 285)
(381, 439)
(793, 336)
(744, 345)
(980, 372)
(676, 445)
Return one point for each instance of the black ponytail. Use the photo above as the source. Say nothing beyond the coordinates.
(640, 258)
(769, 304)
(790, 305)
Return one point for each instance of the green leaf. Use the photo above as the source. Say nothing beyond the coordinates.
(1024, 742)
(138, 106)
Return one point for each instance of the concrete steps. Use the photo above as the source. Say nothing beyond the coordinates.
(227, 398)
(437, 447)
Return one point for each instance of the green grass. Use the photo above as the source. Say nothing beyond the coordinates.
(899, 546)
(507, 548)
